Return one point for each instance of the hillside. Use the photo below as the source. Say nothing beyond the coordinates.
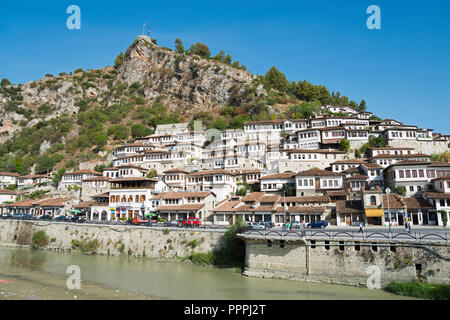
(61, 121)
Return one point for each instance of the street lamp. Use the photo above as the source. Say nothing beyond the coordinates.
(389, 212)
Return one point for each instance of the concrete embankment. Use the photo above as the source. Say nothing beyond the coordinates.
(159, 243)
(345, 262)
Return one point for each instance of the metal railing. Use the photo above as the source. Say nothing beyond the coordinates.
(347, 235)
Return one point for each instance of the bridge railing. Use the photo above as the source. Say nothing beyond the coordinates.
(347, 235)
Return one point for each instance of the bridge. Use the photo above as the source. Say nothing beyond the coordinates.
(308, 234)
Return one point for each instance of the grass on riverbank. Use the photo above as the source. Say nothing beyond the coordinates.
(420, 290)
(39, 239)
(231, 253)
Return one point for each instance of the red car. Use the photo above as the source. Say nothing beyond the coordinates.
(191, 222)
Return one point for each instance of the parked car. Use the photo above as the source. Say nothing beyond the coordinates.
(61, 218)
(173, 223)
(318, 224)
(255, 226)
(6, 216)
(297, 225)
(77, 219)
(45, 217)
(191, 222)
(17, 215)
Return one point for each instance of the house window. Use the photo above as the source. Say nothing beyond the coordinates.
(373, 201)
(411, 188)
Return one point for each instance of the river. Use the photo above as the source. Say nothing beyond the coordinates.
(37, 274)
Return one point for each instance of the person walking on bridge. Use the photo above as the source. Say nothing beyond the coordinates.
(361, 227)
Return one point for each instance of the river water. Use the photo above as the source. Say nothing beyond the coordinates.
(31, 274)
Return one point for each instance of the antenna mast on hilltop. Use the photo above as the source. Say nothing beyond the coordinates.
(143, 29)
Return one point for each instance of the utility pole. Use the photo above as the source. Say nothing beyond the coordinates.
(389, 212)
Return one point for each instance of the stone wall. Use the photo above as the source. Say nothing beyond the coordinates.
(114, 240)
(344, 265)
(426, 147)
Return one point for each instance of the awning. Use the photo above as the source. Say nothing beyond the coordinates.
(75, 211)
(151, 215)
(371, 213)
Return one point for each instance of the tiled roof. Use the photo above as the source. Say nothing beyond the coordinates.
(317, 172)
(228, 205)
(6, 191)
(307, 199)
(336, 193)
(372, 165)
(181, 195)
(176, 171)
(343, 206)
(390, 156)
(437, 195)
(84, 204)
(102, 178)
(358, 177)
(253, 196)
(84, 171)
(34, 176)
(351, 161)
(417, 203)
(284, 175)
(302, 209)
(182, 207)
(395, 201)
(441, 178)
(12, 174)
(315, 151)
(209, 172)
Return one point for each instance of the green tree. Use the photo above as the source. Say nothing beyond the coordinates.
(344, 145)
(400, 190)
(276, 79)
(443, 217)
(200, 49)
(139, 130)
(152, 173)
(5, 82)
(357, 154)
(179, 48)
(362, 105)
(219, 124)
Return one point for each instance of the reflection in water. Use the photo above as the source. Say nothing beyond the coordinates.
(175, 280)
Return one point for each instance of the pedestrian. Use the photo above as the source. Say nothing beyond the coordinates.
(406, 225)
(283, 227)
(361, 229)
(409, 226)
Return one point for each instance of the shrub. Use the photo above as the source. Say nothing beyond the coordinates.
(89, 246)
(39, 239)
(420, 290)
(5, 82)
(75, 243)
(193, 243)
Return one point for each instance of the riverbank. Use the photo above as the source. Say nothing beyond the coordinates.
(138, 278)
(420, 290)
(37, 285)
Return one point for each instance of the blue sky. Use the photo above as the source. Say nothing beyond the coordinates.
(402, 70)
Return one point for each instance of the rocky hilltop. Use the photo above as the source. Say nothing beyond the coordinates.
(182, 80)
(178, 81)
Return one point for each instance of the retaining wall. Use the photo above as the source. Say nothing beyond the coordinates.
(113, 240)
(297, 260)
